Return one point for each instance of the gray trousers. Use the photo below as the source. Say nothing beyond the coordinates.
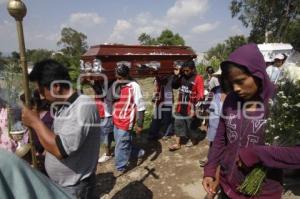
(85, 189)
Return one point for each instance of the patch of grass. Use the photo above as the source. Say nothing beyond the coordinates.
(148, 89)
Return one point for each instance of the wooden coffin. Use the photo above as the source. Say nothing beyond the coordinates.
(102, 59)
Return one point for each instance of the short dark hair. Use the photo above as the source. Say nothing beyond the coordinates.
(47, 71)
(122, 70)
(190, 64)
(210, 70)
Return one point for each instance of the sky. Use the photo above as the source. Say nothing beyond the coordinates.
(201, 23)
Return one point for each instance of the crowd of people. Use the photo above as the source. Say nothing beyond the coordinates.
(230, 105)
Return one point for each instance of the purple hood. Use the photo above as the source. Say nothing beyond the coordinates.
(250, 57)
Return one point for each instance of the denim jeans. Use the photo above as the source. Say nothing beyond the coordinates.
(107, 129)
(123, 148)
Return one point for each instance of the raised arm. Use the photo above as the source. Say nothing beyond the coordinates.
(47, 137)
(271, 156)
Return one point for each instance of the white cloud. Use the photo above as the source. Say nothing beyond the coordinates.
(120, 31)
(85, 19)
(186, 9)
(88, 23)
(205, 27)
(146, 23)
(143, 18)
(151, 30)
(128, 30)
(177, 15)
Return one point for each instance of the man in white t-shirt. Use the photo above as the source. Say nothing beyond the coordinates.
(127, 110)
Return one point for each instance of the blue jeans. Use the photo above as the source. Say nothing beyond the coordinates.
(107, 128)
(123, 148)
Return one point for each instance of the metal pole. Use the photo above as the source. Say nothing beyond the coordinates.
(23, 61)
(17, 9)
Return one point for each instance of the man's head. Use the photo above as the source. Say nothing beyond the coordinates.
(188, 68)
(177, 67)
(50, 77)
(278, 60)
(122, 72)
(210, 70)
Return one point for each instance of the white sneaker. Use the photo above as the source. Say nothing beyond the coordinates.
(104, 158)
(141, 153)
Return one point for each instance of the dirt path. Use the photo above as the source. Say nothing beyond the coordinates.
(163, 174)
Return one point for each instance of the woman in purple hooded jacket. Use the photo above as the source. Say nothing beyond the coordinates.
(242, 124)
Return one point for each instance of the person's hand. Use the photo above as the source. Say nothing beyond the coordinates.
(138, 130)
(29, 117)
(209, 185)
(241, 165)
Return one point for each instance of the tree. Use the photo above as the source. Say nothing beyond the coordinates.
(36, 55)
(73, 45)
(167, 38)
(11, 63)
(222, 50)
(292, 35)
(12, 77)
(266, 15)
(234, 42)
(15, 56)
(2, 62)
(219, 51)
(146, 39)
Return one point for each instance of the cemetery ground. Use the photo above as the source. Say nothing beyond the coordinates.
(163, 174)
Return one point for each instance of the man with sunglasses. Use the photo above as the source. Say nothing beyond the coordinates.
(191, 91)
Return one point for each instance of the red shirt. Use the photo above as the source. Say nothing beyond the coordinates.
(100, 106)
(130, 101)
